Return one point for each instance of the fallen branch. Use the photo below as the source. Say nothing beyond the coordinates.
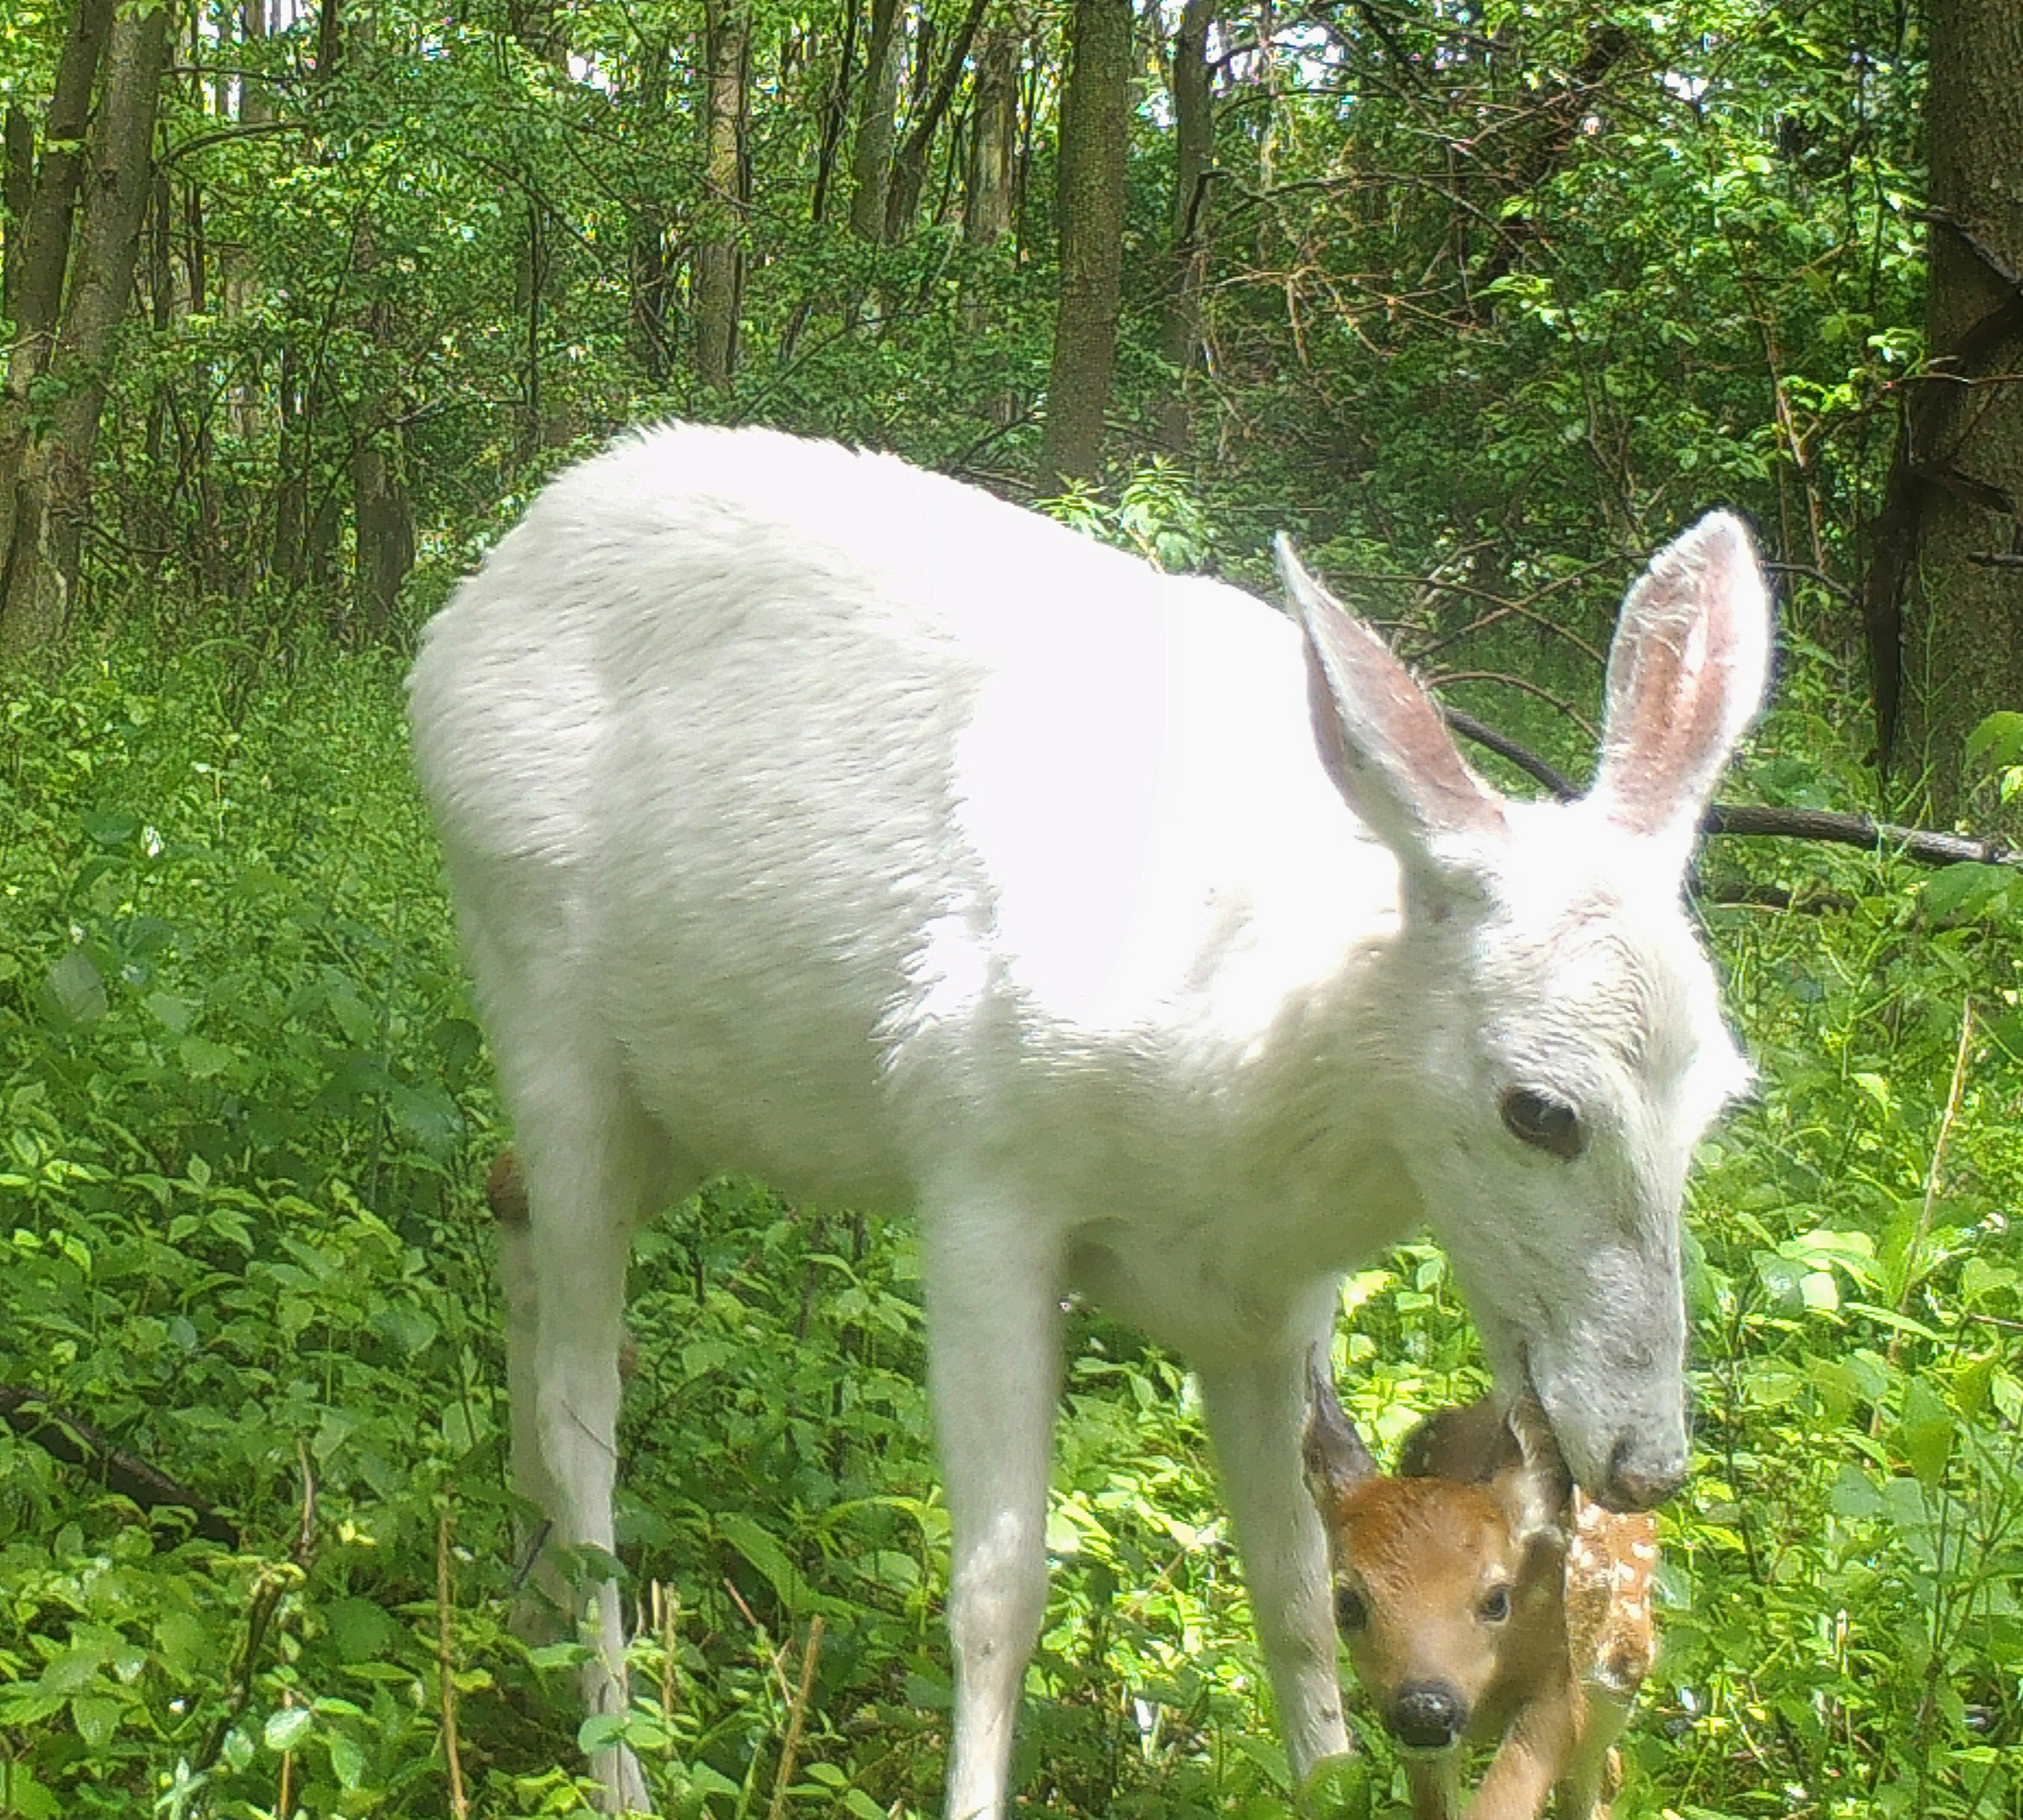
(1923, 846)
(78, 1444)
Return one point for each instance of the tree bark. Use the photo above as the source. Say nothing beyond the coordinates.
(909, 168)
(1094, 110)
(647, 240)
(986, 215)
(383, 518)
(877, 102)
(728, 29)
(834, 113)
(35, 269)
(1194, 130)
(51, 484)
(540, 27)
(17, 195)
(1963, 610)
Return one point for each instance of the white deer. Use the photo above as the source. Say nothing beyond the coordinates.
(815, 817)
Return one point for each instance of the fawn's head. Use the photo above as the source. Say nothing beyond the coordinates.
(1447, 1589)
(1559, 1047)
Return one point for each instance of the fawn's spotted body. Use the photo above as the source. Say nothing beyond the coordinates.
(1485, 1600)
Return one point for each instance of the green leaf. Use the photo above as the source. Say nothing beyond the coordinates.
(73, 991)
(285, 1727)
(1997, 742)
(96, 1717)
(764, 1553)
(1926, 1433)
(347, 1761)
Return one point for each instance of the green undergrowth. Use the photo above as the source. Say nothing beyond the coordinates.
(246, 1117)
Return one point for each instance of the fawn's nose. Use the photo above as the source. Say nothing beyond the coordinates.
(1638, 1480)
(1427, 1716)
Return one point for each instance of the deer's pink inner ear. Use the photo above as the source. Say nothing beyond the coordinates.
(1381, 736)
(1685, 676)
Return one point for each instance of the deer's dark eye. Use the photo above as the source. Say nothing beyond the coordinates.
(1494, 1606)
(1543, 1122)
(1350, 1612)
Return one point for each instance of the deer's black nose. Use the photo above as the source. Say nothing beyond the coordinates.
(1427, 1716)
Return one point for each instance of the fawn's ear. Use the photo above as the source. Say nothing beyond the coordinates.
(1531, 1480)
(1332, 1452)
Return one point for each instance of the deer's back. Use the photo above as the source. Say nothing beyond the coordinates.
(840, 795)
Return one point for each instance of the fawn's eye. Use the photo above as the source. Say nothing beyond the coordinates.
(1494, 1606)
(1351, 1614)
(1543, 1122)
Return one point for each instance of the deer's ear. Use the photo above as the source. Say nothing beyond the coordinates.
(1531, 1480)
(1383, 738)
(1686, 677)
(1332, 1452)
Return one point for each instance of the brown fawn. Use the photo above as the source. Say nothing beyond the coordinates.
(1485, 1600)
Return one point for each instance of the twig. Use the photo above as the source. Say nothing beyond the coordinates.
(1529, 762)
(1447, 677)
(458, 1805)
(284, 1804)
(78, 1444)
(275, 1581)
(666, 1604)
(1924, 846)
(796, 1717)
(778, 1655)
(1962, 1055)
(1746, 894)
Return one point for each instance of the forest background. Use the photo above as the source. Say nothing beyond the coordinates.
(1481, 302)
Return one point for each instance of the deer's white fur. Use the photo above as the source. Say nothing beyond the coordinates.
(810, 815)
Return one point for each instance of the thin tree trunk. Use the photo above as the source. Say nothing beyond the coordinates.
(877, 102)
(1962, 638)
(1194, 128)
(909, 168)
(832, 118)
(17, 195)
(305, 527)
(383, 520)
(36, 266)
(53, 491)
(647, 243)
(986, 213)
(1095, 108)
(728, 28)
(541, 29)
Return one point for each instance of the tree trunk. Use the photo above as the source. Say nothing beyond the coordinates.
(35, 268)
(834, 113)
(547, 420)
(1194, 132)
(909, 168)
(877, 102)
(987, 214)
(383, 520)
(647, 240)
(52, 484)
(1963, 624)
(728, 27)
(17, 195)
(1094, 110)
